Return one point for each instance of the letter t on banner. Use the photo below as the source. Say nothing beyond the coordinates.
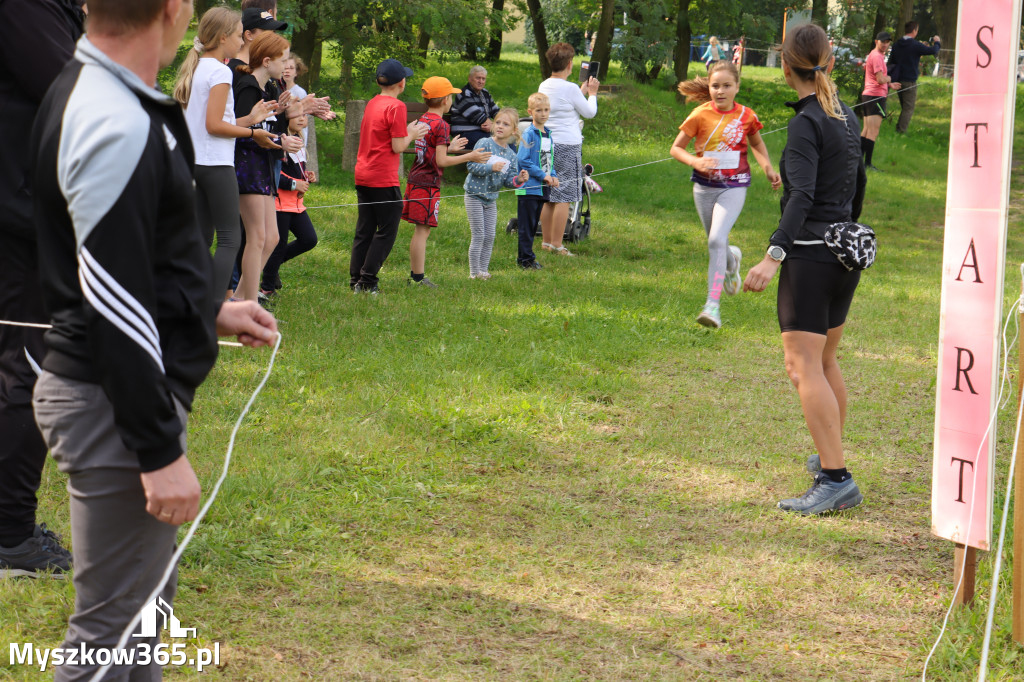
(973, 261)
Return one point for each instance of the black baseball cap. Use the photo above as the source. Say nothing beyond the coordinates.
(391, 71)
(254, 17)
(884, 36)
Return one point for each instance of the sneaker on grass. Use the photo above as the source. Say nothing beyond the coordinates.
(710, 316)
(40, 556)
(825, 495)
(732, 282)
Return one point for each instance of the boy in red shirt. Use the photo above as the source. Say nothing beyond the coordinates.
(383, 135)
(423, 191)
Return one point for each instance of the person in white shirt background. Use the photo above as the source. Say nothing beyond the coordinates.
(570, 103)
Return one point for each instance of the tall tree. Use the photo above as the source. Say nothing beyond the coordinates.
(540, 35)
(681, 52)
(605, 30)
(906, 14)
(497, 26)
(945, 19)
(305, 39)
(819, 13)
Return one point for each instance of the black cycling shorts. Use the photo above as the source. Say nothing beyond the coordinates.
(814, 297)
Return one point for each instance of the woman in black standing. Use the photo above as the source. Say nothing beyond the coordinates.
(823, 179)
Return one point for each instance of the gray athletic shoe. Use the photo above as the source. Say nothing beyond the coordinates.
(41, 556)
(814, 464)
(824, 496)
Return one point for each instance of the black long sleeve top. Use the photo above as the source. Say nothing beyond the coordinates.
(822, 176)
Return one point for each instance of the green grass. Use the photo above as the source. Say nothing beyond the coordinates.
(559, 475)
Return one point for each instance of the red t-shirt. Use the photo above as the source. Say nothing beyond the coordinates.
(377, 163)
(425, 171)
(872, 65)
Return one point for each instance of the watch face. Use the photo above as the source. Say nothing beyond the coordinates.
(776, 252)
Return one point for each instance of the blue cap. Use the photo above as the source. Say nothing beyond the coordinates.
(391, 72)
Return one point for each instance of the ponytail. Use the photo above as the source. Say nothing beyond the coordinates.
(828, 96)
(696, 89)
(183, 84)
(807, 52)
(215, 24)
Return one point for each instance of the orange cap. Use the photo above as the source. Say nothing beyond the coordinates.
(438, 86)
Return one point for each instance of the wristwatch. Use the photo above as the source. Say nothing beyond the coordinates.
(776, 253)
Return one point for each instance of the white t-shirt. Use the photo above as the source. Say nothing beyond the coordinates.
(210, 150)
(567, 106)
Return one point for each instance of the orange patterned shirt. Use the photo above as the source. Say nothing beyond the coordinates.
(722, 135)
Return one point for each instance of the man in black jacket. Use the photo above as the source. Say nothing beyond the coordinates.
(904, 64)
(126, 279)
(46, 30)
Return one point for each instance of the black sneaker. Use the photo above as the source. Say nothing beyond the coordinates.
(532, 265)
(824, 496)
(41, 556)
(371, 289)
(423, 283)
(873, 167)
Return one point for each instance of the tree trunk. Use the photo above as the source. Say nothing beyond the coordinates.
(540, 36)
(819, 13)
(202, 5)
(423, 42)
(470, 54)
(314, 65)
(636, 18)
(347, 55)
(879, 23)
(494, 45)
(605, 29)
(945, 19)
(681, 56)
(906, 14)
(304, 40)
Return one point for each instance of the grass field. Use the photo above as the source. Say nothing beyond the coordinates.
(559, 475)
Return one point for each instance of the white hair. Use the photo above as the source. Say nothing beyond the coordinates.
(477, 69)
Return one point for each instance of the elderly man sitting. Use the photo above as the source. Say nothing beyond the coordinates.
(473, 109)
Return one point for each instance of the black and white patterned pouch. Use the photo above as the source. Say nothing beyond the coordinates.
(854, 244)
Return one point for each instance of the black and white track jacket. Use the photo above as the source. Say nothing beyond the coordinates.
(126, 272)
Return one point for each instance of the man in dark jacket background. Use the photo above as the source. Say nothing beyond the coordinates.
(904, 64)
(473, 110)
(46, 30)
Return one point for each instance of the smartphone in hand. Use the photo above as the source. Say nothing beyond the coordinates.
(588, 70)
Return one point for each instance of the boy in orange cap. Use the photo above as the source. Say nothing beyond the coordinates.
(423, 191)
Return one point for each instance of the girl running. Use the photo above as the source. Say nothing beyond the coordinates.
(722, 130)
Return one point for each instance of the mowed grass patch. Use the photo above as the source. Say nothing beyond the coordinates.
(559, 475)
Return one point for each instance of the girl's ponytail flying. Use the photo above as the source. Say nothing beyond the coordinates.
(215, 24)
(699, 89)
(807, 52)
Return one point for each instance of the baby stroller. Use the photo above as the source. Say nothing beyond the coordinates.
(577, 225)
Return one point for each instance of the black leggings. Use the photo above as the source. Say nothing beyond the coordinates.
(301, 226)
(814, 297)
(217, 210)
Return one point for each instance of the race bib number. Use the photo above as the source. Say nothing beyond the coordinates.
(545, 144)
(724, 160)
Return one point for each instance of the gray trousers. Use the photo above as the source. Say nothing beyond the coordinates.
(483, 219)
(120, 551)
(217, 210)
(908, 98)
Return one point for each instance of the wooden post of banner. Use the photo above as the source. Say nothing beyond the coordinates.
(1018, 517)
(965, 594)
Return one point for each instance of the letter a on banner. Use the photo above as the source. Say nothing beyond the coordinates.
(973, 260)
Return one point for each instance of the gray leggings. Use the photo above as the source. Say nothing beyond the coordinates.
(217, 210)
(483, 218)
(718, 208)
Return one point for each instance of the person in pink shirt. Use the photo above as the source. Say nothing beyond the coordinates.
(872, 100)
